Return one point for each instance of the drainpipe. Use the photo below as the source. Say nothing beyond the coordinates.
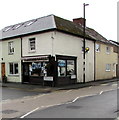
(94, 61)
(21, 60)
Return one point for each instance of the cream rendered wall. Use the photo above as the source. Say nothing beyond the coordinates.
(102, 58)
(43, 44)
(0, 59)
(90, 61)
(64, 44)
(58, 43)
(15, 58)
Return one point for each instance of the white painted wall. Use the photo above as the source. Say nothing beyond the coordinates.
(64, 44)
(58, 43)
(90, 61)
(16, 58)
(43, 44)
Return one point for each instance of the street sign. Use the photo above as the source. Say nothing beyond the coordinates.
(48, 78)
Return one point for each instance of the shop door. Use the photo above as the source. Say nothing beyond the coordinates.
(25, 73)
(3, 69)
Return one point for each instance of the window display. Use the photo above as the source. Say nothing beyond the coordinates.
(66, 68)
(70, 67)
(38, 69)
(61, 68)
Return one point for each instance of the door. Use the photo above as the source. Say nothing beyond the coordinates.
(25, 73)
(3, 69)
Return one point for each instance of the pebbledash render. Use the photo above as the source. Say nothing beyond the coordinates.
(49, 51)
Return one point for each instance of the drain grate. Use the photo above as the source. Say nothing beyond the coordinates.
(9, 111)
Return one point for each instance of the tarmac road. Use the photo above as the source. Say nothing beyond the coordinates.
(103, 105)
(21, 106)
(14, 93)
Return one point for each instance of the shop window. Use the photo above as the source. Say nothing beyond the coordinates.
(70, 67)
(61, 68)
(66, 68)
(32, 45)
(10, 48)
(13, 68)
(38, 69)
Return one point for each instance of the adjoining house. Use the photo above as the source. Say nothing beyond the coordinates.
(49, 50)
(106, 60)
(116, 50)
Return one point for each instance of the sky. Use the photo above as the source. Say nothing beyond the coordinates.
(101, 15)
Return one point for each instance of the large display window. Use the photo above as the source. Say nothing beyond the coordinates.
(66, 68)
(38, 69)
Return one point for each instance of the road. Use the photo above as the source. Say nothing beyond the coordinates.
(23, 107)
(14, 93)
(103, 105)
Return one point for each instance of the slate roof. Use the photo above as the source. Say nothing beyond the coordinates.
(48, 23)
(31, 26)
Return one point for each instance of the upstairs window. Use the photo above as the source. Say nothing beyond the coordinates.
(108, 67)
(108, 50)
(97, 47)
(10, 48)
(32, 45)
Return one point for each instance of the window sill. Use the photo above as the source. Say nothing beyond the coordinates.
(97, 51)
(10, 53)
(32, 51)
(15, 75)
(107, 53)
(108, 70)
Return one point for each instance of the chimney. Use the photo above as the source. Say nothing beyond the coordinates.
(79, 21)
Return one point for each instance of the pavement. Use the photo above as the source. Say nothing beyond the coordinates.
(46, 89)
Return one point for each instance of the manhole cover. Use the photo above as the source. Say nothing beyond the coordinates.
(9, 111)
(74, 107)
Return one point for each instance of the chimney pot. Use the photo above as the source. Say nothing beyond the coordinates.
(79, 21)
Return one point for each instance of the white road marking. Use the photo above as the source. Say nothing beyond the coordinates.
(29, 113)
(114, 84)
(75, 99)
(68, 91)
(101, 92)
(39, 96)
(104, 84)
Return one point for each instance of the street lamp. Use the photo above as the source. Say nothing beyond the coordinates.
(84, 46)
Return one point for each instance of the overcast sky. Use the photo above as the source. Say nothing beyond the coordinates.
(101, 15)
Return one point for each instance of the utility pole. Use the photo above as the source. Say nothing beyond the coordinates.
(84, 41)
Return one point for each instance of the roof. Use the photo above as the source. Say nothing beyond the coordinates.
(114, 42)
(31, 26)
(48, 23)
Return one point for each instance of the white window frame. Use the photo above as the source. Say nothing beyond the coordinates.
(10, 47)
(108, 67)
(97, 47)
(109, 49)
(13, 68)
(30, 39)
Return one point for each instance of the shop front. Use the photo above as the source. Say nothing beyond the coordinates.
(66, 69)
(47, 70)
(35, 69)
